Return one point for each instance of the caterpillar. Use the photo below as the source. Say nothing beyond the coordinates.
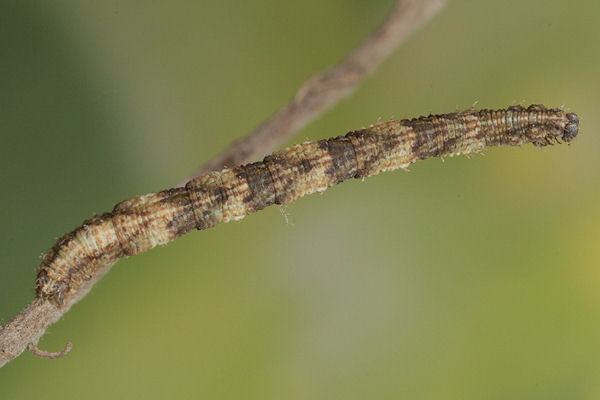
(141, 223)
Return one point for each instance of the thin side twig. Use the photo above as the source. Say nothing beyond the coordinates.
(319, 93)
(326, 88)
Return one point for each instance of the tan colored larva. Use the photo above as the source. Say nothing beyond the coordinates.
(149, 220)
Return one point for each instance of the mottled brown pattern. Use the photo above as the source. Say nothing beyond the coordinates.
(261, 191)
(343, 157)
(144, 222)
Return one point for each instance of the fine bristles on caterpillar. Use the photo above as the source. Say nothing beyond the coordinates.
(146, 221)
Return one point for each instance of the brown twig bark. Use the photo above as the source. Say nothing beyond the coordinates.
(25, 329)
(326, 88)
(318, 94)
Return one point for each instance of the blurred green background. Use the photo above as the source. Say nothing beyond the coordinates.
(474, 278)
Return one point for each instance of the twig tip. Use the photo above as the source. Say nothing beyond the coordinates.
(46, 354)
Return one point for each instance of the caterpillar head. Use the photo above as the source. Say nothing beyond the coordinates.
(571, 128)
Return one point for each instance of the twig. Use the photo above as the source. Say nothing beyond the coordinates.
(47, 354)
(25, 329)
(326, 88)
(318, 94)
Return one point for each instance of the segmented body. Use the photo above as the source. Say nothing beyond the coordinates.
(146, 221)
